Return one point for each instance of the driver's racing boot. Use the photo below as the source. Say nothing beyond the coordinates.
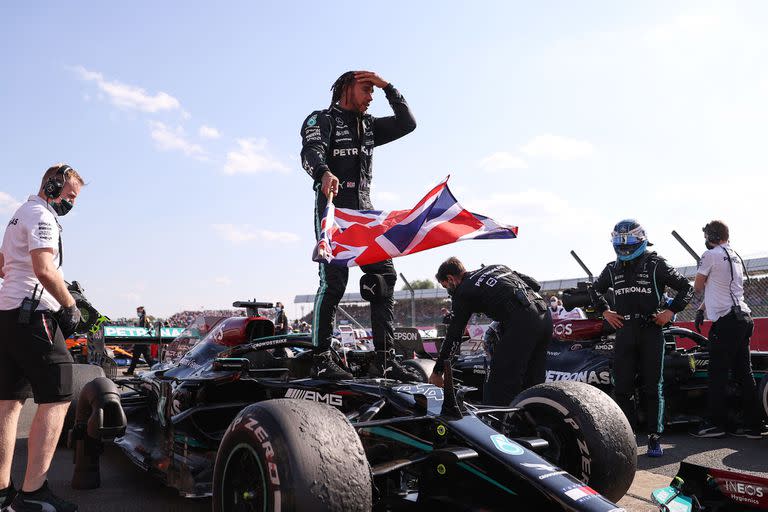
(385, 365)
(324, 367)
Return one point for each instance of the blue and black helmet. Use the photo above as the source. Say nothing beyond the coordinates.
(629, 239)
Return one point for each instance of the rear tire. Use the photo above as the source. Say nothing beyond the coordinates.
(291, 455)
(589, 435)
(82, 374)
(423, 367)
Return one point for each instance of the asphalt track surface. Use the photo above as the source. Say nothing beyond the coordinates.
(126, 488)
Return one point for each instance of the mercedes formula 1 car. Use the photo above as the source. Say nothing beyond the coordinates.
(237, 417)
(583, 350)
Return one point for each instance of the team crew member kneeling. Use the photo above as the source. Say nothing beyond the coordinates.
(34, 360)
(638, 278)
(510, 298)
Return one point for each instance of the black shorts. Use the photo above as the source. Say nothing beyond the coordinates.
(34, 360)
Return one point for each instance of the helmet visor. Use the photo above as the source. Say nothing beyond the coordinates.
(626, 239)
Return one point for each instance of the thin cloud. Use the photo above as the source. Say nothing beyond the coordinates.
(129, 96)
(502, 161)
(252, 157)
(557, 147)
(247, 233)
(208, 132)
(7, 203)
(222, 280)
(174, 140)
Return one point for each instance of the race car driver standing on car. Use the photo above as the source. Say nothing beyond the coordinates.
(638, 278)
(337, 149)
(721, 279)
(37, 314)
(525, 325)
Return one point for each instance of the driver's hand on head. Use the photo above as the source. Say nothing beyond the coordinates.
(370, 76)
(330, 183)
(613, 318)
(436, 379)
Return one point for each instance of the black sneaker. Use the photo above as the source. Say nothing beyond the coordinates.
(707, 430)
(325, 367)
(749, 433)
(388, 367)
(6, 496)
(40, 500)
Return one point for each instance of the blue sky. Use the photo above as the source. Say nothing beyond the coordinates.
(558, 117)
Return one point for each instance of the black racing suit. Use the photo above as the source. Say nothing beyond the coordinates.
(342, 141)
(511, 298)
(638, 286)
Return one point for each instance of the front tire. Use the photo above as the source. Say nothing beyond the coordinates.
(291, 455)
(588, 434)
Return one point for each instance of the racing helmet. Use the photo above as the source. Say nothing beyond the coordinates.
(629, 239)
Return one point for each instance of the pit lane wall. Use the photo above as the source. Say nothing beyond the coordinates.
(759, 337)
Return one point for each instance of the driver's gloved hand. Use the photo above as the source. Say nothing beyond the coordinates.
(699, 320)
(68, 319)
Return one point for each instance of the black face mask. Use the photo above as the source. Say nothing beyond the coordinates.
(62, 208)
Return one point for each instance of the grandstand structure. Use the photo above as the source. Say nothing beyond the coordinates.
(430, 301)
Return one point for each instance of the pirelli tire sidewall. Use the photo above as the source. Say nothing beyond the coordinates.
(310, 457)
(603, 451)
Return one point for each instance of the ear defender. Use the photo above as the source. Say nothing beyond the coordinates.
(55, 183)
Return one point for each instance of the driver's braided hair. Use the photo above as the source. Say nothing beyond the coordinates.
(340, 84)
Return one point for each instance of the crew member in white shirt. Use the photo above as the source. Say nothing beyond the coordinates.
(37, 314)
(720, 277)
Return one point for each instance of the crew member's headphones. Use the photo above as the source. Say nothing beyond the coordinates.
(55, 183)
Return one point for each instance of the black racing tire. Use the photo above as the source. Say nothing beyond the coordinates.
(82, 374)
(291, 455)
(589, 435)
(763, 395)
(423, 367)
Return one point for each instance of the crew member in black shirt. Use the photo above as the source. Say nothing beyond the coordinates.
(512, 299)
(638, 278)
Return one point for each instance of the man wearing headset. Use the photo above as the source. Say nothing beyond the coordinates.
(37, 314)
(721, 279)
(638, 278)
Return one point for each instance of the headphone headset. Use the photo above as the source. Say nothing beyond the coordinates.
(55, 183)
(710, 234)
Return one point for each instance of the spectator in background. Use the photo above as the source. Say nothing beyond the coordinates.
(281, 321)
(720, 277)
(140, 349)
(555, 308)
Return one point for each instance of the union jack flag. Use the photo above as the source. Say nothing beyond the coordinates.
(351, 237)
